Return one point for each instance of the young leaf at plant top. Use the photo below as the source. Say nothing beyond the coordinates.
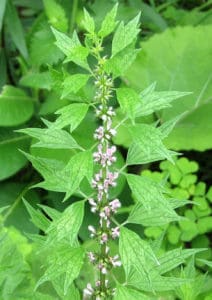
(125, 35)
(109, 23)
(88, 22)
(72, 48)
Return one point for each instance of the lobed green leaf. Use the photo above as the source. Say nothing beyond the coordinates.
(152, 101)
(109, 23)
(128, 100)
(157, 216)
(37, 217)
(60, 178)
(120, 63)
(127, 293)
(72, 115)
(64, 260)
(73, 83)
(125, 35)
(51, 138)
(66, 226)
(72, 48)
(88, 22)
(146, 145)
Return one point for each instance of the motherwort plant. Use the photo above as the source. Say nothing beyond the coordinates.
(102, 182)
(122, 265)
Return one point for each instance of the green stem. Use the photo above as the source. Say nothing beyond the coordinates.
(104, 224)
(203, 6)
(73, 16)
(16, 202)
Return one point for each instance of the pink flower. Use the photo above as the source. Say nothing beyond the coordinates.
(110, 111)
(91, 257)
(93, 205)
(99, 133)
(88, 291)
(112, 131)
(104, 270)
(92, 230)
(102, 267)
(115, 204)
(105, 213)
(99, 195)
(115, 232)
(104, 238)
(115, 261)
(111, 177)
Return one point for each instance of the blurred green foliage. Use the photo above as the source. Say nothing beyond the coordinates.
(182, 183)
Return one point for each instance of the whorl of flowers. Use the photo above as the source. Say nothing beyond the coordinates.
(105, 179)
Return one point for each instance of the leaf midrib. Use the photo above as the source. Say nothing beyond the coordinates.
(13, 140)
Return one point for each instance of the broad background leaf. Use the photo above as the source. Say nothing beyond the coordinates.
(2, 10)
(56, 15)
(15, 106)
(173, 59)
(11, 160)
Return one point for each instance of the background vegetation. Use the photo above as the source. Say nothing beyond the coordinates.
(175, 53)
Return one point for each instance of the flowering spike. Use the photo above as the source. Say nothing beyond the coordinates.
(102, 182)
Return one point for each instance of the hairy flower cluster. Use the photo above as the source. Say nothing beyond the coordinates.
(103, 180)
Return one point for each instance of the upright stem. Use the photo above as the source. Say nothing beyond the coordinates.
(104, 225)
(16, 202)
(102, 182)
(73, 15)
